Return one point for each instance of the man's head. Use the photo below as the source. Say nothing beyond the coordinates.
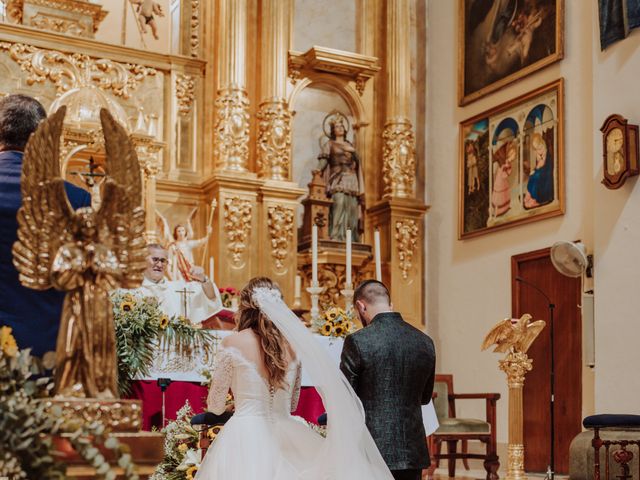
(157, 261)
(371, 298)
(19, 118)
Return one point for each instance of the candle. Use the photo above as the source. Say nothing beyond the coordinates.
(298, 288)
(314, 256)
(211, 268)
(348, 279)
(376, 244)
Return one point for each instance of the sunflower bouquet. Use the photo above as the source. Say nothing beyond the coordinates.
(142, 328)
(335, 322)
(182, 454)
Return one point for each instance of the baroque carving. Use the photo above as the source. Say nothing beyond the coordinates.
(194, 41)
(232, 130)
(516, 365)
(237, 226)
(274, 140)
(58, 25)
(185, 93)
(516, 462)
(280, 223)
(67, 71)
(407, 244)
(399, 161)
(88, 11)
(115, 415)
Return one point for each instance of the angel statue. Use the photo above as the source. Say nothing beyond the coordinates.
(86, 253)
(513, 334)
(180, 245)
(342, 173)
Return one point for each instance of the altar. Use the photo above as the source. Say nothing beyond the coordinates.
(186, 380)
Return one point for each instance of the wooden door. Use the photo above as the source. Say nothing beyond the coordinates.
(565, 293)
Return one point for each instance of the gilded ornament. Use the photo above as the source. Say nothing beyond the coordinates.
(58, 25)
(399, 161)
(516, 365)
(91, 13)
(232, 130)
(513, 334)
(407, 244)
(237, 226)
(516, 462)
(115, 415)
(194, 41)
(280, 223)
(274, 140)
(185, 93)
(68, 71)
(86, 253)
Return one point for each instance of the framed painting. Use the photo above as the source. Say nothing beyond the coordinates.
(511, 165)
(500, 41)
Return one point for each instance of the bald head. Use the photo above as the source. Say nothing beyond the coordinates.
(371, 298)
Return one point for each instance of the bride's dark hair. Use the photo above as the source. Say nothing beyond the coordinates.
(274, 345)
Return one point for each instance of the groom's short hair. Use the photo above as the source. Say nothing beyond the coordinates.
(372, 291)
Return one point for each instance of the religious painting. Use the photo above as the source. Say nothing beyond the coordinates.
(511, 163)
(501, 41)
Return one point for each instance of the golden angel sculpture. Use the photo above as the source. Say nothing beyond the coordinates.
(86, 252)
(180, 245)
(512, 334)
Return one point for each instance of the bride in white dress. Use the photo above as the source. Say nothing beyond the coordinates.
(261, 365)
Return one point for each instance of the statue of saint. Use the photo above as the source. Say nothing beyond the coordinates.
(342, 173)
(85, 253)
(181, 246)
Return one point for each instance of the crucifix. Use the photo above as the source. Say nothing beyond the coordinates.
(184, 296)
(89, 178)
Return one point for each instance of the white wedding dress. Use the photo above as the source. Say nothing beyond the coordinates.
(263, 441)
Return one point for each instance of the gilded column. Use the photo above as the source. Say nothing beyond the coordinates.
(398, 140)
(231, 142)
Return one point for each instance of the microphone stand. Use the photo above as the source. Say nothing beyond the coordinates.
(551, 467)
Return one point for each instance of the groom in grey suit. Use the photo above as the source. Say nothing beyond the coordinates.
(391, 366)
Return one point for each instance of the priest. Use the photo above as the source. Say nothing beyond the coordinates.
(197, 300)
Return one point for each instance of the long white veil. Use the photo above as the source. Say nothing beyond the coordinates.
(348, 451)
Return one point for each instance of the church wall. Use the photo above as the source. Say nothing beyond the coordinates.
(468, 283)
(328, 23)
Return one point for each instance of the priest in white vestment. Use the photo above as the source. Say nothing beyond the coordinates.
(200, 297)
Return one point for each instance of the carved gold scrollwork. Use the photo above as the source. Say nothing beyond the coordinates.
(185, 93)
(237, 226)
(232, 130)
(59, 25)
(516, 365)
(516, 462)
(116, 415)
(399, 161)
(67, 71)
(280, 223)
(407, 244)
(194, 41)
(274, 140)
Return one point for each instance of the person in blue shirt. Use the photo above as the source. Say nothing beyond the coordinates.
(33, 315)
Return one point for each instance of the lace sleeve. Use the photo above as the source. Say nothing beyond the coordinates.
(295, 394)
(220, 382)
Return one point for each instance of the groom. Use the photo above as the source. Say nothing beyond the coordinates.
(391, 367)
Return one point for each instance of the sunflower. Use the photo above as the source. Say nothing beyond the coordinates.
(332, 314)
(338, 329)
(183, 319)
(164, 321)
(213, 432)
(8, 344)
(191, 472)
(127, 306)
(183, 447)
(348, 326)
(326, 329)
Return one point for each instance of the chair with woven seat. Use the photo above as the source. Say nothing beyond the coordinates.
(453, 429)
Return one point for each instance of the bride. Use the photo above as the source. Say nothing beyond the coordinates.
(261, 365)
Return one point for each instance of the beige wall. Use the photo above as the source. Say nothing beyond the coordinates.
(468, 282)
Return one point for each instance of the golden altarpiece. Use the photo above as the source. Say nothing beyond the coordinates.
(210, 106)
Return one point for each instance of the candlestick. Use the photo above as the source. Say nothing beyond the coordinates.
(314, 255)
(348, 267)
(211, 268)
(376, 244)
(297, 300)
(347, 293)
(314, 291)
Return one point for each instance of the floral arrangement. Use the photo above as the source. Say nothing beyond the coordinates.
(28, 427)
(335, 322)
(182, 454)
(228, 295)
(142, 328)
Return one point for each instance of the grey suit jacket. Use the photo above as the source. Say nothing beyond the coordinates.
(391, 366)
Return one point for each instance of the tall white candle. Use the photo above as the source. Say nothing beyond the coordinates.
(211, 268)
(314, 255)
(298, 287)
(376, 246)
(348, 268)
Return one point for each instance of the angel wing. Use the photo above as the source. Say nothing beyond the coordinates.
(162, 226)
(189, 225)
(501, 335)
(532, 332)
(45, 218)
(121, 212)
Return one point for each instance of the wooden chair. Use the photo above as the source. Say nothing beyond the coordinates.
(453, 429)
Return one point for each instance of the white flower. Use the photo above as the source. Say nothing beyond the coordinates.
(191, 457)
